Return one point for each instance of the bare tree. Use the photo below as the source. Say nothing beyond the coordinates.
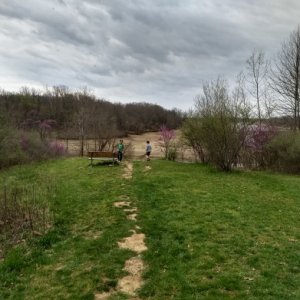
(286, 76)
(223, 123)
(103, 126)
(85, 102)
(257, 67)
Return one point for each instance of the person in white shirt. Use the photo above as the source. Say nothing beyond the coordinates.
(148, 150)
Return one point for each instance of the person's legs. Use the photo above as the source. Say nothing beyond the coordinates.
(120, 156)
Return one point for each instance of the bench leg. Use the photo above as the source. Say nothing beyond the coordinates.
(91, 162)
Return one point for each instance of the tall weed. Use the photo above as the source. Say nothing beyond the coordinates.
(25, 211)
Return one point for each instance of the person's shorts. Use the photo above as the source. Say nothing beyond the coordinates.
(148, 153)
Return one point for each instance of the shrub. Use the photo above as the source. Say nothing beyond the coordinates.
(37, 149)
(10, 150)
(222, 123)
(285, 152)
(56, 149)
(33, 146)
(193, 134)
(173, 152)
(255, 153)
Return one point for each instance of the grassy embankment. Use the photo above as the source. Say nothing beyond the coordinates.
(79, 255)
(210, 235)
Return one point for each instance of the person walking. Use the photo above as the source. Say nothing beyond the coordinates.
(148, 150)
(120, 148)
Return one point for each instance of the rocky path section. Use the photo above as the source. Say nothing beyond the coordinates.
(136, 243)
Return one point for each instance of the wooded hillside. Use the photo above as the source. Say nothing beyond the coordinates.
(73, 114)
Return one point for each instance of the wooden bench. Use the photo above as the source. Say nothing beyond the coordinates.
(101, 154)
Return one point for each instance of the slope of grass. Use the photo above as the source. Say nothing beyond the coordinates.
(79, 255)
(210, 235)
(219, 236)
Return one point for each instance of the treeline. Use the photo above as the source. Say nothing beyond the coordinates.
(32, 121)
(81, 112)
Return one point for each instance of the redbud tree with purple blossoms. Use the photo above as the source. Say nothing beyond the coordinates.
(166, 140)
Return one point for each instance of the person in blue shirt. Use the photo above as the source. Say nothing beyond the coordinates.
(148, 150)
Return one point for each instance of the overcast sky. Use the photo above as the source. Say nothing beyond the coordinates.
(157, 51)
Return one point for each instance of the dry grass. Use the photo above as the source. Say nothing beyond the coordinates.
(138, 146)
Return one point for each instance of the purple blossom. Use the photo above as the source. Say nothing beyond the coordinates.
(165, 139)
(56, 148)
(166, 134)
(259, 136)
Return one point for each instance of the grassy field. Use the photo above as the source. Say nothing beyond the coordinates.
(79, 255)
(219, 236)
(210, 235)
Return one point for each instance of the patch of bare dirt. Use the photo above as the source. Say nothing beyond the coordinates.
(135, 242)
(132, 282)
(103, 296)
(132, 217)
(121, 204)
(129, 284)
(134, 265)
(128, 170)
(131, 210)
(148, 168)
(59, 266)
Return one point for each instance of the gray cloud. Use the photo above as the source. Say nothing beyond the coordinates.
(159, 51)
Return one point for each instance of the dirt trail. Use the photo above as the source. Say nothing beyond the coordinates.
(134, 266)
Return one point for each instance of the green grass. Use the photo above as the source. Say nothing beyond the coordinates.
(79, 255)
(219, 236)
(210, 235)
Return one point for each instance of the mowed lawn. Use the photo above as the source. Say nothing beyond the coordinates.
(210, 235)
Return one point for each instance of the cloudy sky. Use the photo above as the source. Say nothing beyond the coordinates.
(157, 51)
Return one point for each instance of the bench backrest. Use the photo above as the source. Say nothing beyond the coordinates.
(100, 154)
